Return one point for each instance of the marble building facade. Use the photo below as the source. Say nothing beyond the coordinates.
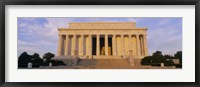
(96, 40)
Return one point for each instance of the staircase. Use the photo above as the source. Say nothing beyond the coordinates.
(105, 63)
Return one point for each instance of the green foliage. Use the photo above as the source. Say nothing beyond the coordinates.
(54, 63)
(24, 59)
(168, 57)
(146, 60)
(35, 59)
(48, 56)
(157, 58)
(179, 56)
(35, 55)
(157, 54)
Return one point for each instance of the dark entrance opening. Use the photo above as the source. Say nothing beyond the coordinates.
(110, 45)
(102, 45)
(94, 45)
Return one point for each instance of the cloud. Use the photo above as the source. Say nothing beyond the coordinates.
(41, 34)
(26, 43)
(165, 37)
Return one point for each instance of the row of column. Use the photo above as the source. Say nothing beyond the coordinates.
(141, 45)
(63, 45)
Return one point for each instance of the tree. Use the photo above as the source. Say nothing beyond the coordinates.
(168, 56)
(36, 60)
(157, 58)
(146, 60)
(35, 55)
(24, 59)
(157, 54)
(179, 56)
(48, 56)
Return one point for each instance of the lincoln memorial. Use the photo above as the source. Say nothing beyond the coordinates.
(96, 40)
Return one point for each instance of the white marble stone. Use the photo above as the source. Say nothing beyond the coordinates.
(127, 39)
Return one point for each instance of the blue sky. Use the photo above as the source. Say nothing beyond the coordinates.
(41, 35)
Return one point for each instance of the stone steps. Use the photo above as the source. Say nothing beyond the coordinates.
(105, 63)
(106, 57)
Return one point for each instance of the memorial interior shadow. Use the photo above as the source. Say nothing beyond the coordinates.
(102, 46)
(94, 45)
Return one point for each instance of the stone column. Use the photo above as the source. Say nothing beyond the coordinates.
(59, 44)
(81, 45)
(122, 42)
(66, 44)
(73, 45)
(90, 45)
(142, 45)
(130, 45)
(114, 44)
(106, 44)
(145, 45)
(98, 46)
(138, 45)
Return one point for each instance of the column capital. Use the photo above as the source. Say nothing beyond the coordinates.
(66, 35)
(97, 34)
(122, 35)
(137, 34)
(144, 34)
(114, 35)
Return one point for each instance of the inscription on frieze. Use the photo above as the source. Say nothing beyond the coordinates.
(103, 25)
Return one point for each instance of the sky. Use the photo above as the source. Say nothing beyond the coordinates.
(40, 35)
